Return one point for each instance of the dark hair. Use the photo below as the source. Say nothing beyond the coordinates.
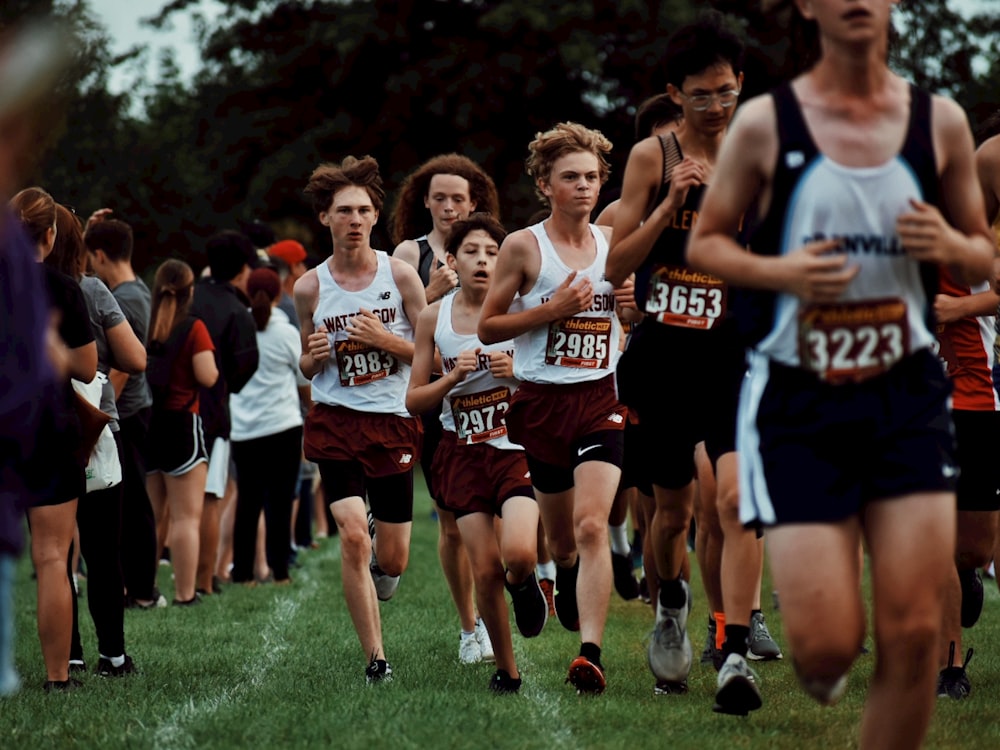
(260, 234)
(263, 288)
(479, 220)
(69, 254)
(697, 46)
(410, 218)
(35, 209)
(989, 128)
(656, 111)
(228, 251)
(112, 236)
(173, 288)
(327, 179)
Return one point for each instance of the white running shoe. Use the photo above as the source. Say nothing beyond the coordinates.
(669, 653)
(485, 644)
(469, 650)
(737, 692)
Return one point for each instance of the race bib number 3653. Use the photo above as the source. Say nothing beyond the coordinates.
(360, 364)
(480, 416)
(853, 341)
(579, 342)
(681, 297)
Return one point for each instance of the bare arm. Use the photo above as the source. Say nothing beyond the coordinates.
(636, 226)
(519, 253)
(83, 362)
(988, 168)
(206, 372)
(126, 350)
(315, 344)
(743, 169)
(958, 235)
(948, 309)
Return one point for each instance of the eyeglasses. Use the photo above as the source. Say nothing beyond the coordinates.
(702, 102)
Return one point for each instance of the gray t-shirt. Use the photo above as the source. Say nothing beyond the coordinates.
(104, 314)
(135, 301)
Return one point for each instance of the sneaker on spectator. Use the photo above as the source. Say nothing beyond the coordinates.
(106, 669)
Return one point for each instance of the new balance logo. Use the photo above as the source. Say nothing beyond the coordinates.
(385, 295)
(616, 418)
(406, 458)
(794, 159)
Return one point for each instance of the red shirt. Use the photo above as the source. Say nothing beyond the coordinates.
(184, 388)
(967, 348)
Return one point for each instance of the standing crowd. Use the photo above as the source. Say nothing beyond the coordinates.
(784, 330)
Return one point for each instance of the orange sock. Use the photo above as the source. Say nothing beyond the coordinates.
(720, 629)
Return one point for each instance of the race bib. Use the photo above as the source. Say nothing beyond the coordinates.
(681, 297)
(579, 342)
(360, 364)
(480, 416)
(852, 341)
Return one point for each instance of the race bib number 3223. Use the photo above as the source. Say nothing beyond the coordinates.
(852, 341)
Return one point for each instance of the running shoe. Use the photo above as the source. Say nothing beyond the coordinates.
(669, 652)
(952, 681)
(485, 644)
(736, 691)
(64, 686)
(502, 683)
(77, 665)
(531, 611)
(378, 671)
(106, 669)
(760, 644)
(586, 676)
(469, 650)
(157, 602)
(624, 576)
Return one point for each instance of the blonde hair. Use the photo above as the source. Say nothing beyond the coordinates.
(565, 138)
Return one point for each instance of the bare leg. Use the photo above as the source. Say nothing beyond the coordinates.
(186, 496)
(52, 528)
(227, 518)
(359, 590)
(456, 567)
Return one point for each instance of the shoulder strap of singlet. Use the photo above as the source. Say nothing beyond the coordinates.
(793, 133)
(426, 262)
(918, 149)
(672, 155)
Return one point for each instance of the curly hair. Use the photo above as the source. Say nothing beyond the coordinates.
(328, 178)
(478, 220)
(410, 218)
(565, 138)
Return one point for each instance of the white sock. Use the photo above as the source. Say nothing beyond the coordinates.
(546, 570)
(116, 661)
(619, 538)
(466, 636)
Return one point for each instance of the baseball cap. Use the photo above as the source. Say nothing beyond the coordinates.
(289, 251)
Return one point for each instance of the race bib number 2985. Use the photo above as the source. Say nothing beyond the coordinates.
(579, 342)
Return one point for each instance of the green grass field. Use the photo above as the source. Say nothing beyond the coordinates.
(281, 667)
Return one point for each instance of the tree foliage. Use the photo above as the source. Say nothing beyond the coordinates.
(288, 84)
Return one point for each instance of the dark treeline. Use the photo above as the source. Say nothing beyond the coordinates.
(286, 85)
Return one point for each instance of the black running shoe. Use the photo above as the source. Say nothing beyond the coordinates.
(77, 665)
(106, 669)
(625, 583)
(378, 671)
(737, 693)
(196, 599)
(531, 611)
(502, 683)
(565, 597)
(952, 681)
(710, 654)
(972, 596)
(644, 591)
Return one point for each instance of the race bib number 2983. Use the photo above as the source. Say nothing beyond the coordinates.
(360, 364)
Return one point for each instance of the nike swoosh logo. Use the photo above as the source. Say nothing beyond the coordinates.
(581, 451)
